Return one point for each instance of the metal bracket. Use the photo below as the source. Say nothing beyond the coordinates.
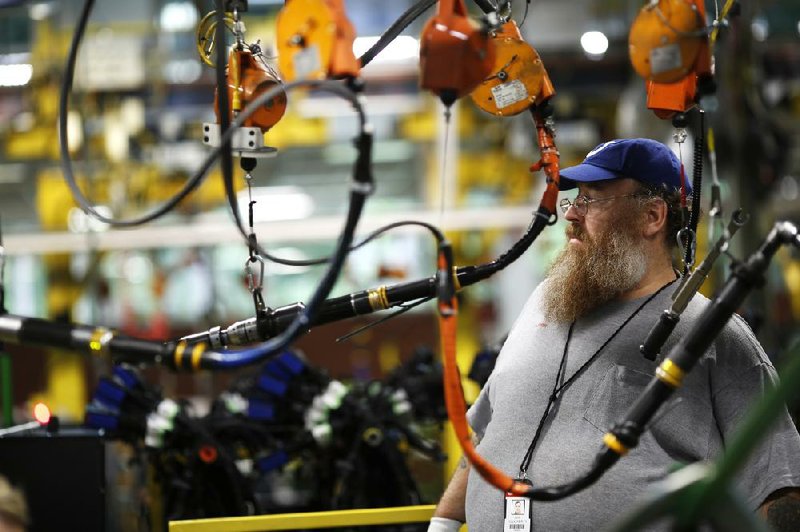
(246, 141)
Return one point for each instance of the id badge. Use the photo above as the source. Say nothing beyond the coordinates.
(517, 513)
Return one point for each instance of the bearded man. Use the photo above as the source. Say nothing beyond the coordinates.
(571, 366)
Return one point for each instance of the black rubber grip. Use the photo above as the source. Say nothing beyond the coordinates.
(48, 333)
(659, 334)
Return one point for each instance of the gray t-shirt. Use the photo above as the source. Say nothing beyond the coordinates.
(694, 425)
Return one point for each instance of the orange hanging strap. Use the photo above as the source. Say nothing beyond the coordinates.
(454, 396)
(549, 159)
(448, 309)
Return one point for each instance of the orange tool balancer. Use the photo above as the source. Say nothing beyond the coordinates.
(668, 46)
(247, 78)
(518, 79)
(315, 41)
(456, 54)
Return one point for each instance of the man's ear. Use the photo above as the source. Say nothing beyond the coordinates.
(655, 213)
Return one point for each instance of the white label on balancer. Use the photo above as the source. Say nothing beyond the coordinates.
(665, 58)
(509, 93)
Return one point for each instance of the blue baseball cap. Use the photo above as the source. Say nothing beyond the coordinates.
(644, 160)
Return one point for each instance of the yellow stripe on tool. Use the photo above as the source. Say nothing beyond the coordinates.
(456, 282)
(670, 373)
(377, 298)
(383, 296)
(197, 352)
(294, 521)
(179, 349)
(614, 444)
(96, 342)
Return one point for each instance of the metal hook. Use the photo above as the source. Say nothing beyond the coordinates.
(238, 29)
(252, 284)
(504, 11)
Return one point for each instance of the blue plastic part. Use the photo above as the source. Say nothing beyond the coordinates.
(126, 376)
(273, 461)
(260, 410)
(276, 369)
(105, 404)
(109, 393)
(99, 406)
(273, 386)
(97, 420)
(292, 362)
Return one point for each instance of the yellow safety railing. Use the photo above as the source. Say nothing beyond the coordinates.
(306, 520)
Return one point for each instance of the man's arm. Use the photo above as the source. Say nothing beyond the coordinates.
(451, 505)
(453, 501)
(782, 510)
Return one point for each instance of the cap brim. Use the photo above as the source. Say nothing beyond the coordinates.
(583, 173)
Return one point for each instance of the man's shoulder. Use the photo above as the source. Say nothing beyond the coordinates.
(736, 338)
(534, 303)
(699, 302)
(736, 325)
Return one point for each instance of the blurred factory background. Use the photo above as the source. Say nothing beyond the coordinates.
(141, 95)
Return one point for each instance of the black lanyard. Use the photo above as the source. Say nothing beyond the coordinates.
(558, 388)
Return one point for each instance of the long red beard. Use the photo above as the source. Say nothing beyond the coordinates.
(584, 277)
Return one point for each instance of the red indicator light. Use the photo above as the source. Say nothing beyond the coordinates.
(208, 454)
(41, 413)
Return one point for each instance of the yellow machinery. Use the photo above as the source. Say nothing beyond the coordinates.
(365, 517)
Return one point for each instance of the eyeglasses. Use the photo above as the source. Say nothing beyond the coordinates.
(581, 203)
